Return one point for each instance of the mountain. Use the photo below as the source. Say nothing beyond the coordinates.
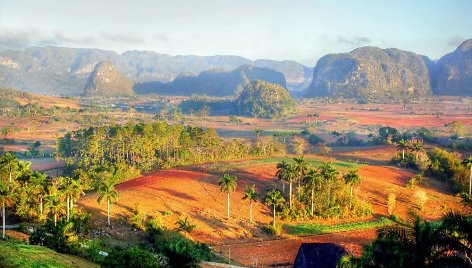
(216, 82)
(264, 100)
(298, 76)
(106, 81)
(64, 71)
(453, 72)
(371, 72)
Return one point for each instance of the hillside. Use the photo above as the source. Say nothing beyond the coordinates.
(64, 71)
(106, 80)
(264, 100)
(16, 255)
(371, 72)
(454, 72)
(216, 82)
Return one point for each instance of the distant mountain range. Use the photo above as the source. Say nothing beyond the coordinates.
(64, 71)
(366, 72)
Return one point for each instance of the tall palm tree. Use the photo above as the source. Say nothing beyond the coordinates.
(468, 164)
(39, 187)
(316, 115)
(311, 179)
(252, 195)
(352, 178)
(402, 145)
(281, 173)
(54, 203)
(6, 199)
(329, 174)
(77, 190)
(417, 147)
(287, 172)
(107, 191)
(301, 166)
(67, 189)
(274, 198)
(9, 164)
(228, 184)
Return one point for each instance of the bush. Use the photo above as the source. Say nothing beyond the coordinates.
(181, 251)
(362, 208)
(138, 220)
(391, 202)
(134, 257)
(90, 250)
(447, 166)
(421, 199)
(61, 238)
(271, 230)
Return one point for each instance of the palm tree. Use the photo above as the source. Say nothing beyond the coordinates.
(251, 194)
(107, 191)
(9, 164)
(54, 203)
(301, 166)
(38, 187)
(311, 179)
(274, 198)
(316, 115)
(468, 164)
(6, 198)
(281, 173)
(417, 148)
(329, 174)
(228, 184)
(402, 146)
(286, 172)
(67, 189)
(352, 178)
(76, 191)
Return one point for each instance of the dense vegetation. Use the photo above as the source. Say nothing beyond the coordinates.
(264, 100)
(202, 105)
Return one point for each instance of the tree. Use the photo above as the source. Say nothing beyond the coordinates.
(281, 173)
(311, 179)
(39, 187)
(316, 116)
(352, 178)
(402, 145)
(9, 164)
(417, 147)
(67, 190)
(185, 226)
(468, 164)
(77, 189)
(6, 199)
(301, 166)
(107, 191)
(54, 203)
(288, 173)
(274, 198)
(251, 194)
(335, 135)
(329, 174)
(228, 184)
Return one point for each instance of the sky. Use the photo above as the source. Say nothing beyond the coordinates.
(300, 30)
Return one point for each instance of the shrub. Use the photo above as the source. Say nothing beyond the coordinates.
(90, 250)
(362, 208)
(448, 166)
(134, 257)
(421, 199)
(60, 237)
(138, 220)
(391, 202)
(271, 230)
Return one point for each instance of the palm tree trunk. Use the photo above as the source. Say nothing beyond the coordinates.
(41, 205)
(290, 195)
(68, 209)
(10, 176)
(55, 219)
(283, 187)
(108, 211)
(312, 197)
(3, 219)
(350, 199)
(403, 154)
(470, 180)
(273, 221)
(71, 205)
(250, 211)
(228, 206)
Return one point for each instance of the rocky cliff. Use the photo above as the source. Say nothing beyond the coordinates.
(106, 81)
(453, 73)
(371, 72)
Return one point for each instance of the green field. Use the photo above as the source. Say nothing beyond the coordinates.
(14, 254)
(311, 228)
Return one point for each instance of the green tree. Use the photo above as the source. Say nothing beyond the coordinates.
(106, 190)
(402, 145)
(301, 166)
(274, 198)
(329, 174)
(54, 203)
(185, 226)
(468, 164)
(228, 184)
(9, 164)
(252, 195)
(352, 178)
(38, 186)
(311, 179)
(417, 148)
(6, 198)
(288, 173)
(67, 190)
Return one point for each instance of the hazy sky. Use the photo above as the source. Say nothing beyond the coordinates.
(300, 30)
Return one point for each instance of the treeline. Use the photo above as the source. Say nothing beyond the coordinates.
(147, 146)
(198, 104)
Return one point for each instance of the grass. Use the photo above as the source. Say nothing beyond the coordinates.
(311, 228)
(14, 254)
